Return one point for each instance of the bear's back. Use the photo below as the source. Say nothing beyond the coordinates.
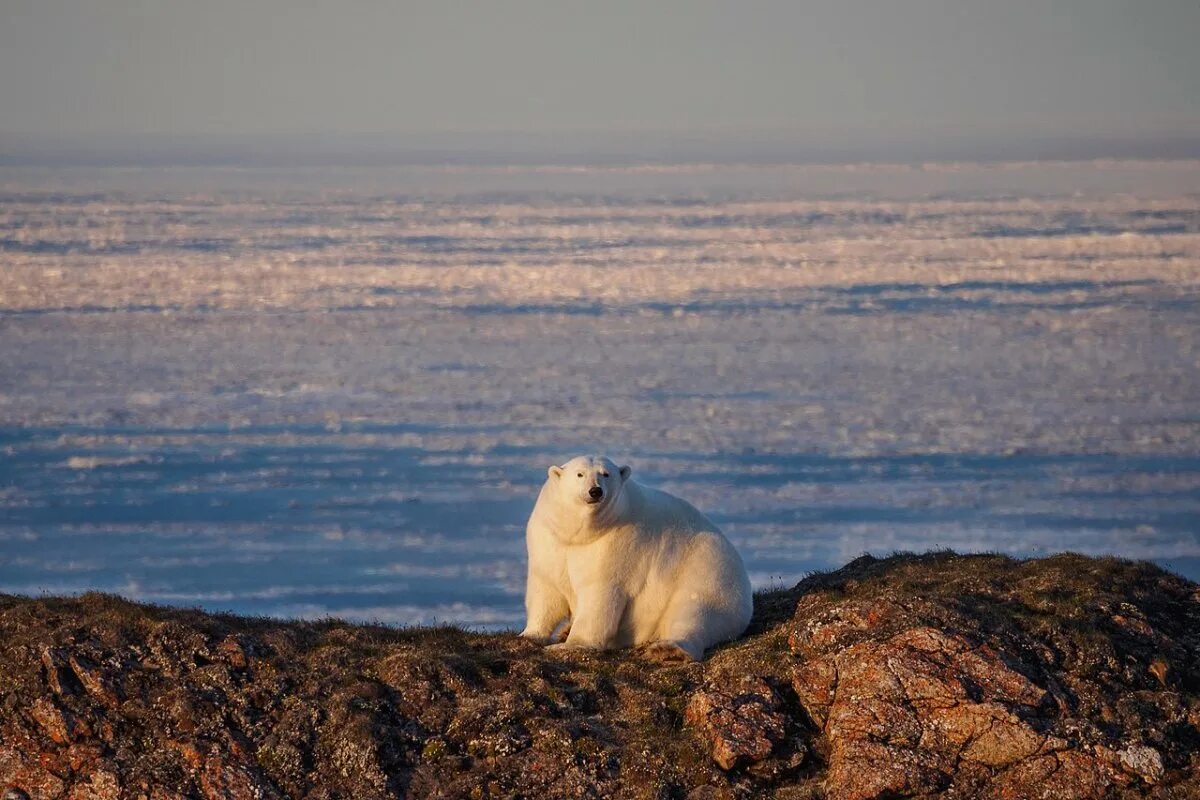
(655, 507)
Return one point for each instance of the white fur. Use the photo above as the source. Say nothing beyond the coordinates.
(638, 566)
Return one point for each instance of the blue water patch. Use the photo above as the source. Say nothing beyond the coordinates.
(302, 520)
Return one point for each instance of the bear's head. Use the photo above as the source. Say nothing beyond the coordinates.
(593, 482)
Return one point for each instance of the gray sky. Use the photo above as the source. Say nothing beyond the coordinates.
(821, 71)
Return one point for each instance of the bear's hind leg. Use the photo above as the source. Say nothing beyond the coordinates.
(684, 632)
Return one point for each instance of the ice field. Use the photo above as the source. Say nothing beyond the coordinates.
(335, 392)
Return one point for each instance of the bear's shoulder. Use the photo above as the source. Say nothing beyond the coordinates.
(650, 503)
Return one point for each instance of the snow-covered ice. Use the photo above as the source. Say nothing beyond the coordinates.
(313, 392)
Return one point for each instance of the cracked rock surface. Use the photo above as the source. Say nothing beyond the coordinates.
(913, 676)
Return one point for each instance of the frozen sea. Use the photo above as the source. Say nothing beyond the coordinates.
(304, 393)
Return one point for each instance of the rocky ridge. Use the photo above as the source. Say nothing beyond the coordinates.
(913, 676)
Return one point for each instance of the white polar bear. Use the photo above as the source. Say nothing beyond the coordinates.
(627, 565)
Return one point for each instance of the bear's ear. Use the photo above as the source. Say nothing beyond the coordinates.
(625, 471)
(554, 471)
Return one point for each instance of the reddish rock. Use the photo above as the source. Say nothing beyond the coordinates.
(1134, 625)
(188, 751)
(233, 652)
(161, 793)
(222, 779)
(100, 785)
(82, 756)
(59, 725)
(94, 680)
(61, 680)
(742, 725)
(178, 706)
(986, 733)
(1160, 670)
(23, 770)
(813, 682)
(867, 769)
(832, 628)
(1058, 776)
(902, 715)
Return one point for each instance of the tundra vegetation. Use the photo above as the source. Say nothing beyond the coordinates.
(909, 676)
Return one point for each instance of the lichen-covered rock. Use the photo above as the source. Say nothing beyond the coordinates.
(233, 651)
(21, 769)
(59, 725)
(225, 779)
(920, 676)
(742, 724)
(1145, 762)
(929, 700)
(99, 785)
(62, 681)
(957, 685)
(94, 679)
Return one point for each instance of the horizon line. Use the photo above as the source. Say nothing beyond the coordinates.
(600, 149)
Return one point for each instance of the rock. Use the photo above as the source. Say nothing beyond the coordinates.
(161, 793)
(912, 676)
(93, 680)
(348, 749)
(59, 725)
(1160, 670)
(742, 725)
(910, 708)
(834, 627)
(232, 651)
(813, 682)
(223, 779)
(1061, 776)
(188, 751)
(710, 793)
(83, 756)
(100, 785)
(61, 680)
(907, 710)
(1143, 761)
(23, 771)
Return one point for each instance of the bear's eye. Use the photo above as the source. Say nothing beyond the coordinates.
(604, 474)
(579, 475)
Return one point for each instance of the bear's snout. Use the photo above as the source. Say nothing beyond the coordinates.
(595, 493)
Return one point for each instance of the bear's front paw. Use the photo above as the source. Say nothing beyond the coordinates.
(535, 637)
(565, 647)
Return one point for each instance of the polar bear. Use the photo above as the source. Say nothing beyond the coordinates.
(627, 565)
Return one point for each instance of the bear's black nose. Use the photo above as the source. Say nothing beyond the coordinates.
(596, 492)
